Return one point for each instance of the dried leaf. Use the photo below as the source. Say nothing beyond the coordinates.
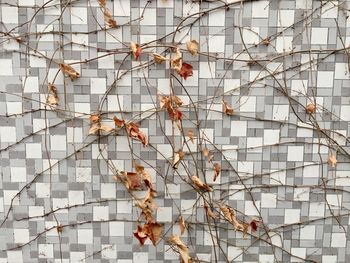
(163, 101)
(177, 100)
(182, 225)
(59, 228)
(134, 132)
(52, 99)
(227, 109)
(177, 158)
(69, 70)
(198, 182)
(254, 226)
(332, 160)
(153, 231)
(190, 135)
(245, 229)
(95, 118)
(106, 128)
(140, 235)
(133, 180)
(146, 177)
(186, 70)
(192, 47)
(95, 127)
(230, 215)
(266, 41)
(109, 18)
(136, 49)
(183, 249)
(206, 154)
(102, 3)
(176, 61)
(217, 170)
(311, 108)
(158, 58)
(209, 212)
(119, 123)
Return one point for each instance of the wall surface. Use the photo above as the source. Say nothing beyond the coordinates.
(281, 155)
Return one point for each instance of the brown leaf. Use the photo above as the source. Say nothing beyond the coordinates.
(95, 127)
(119, 123)
(59, 228)
(52, 99)
(177, 158)
(198, 182)
(230, 215)
(140, 235)
(94, 118)
(332, 160)
(254, 225)
(266, 41)
(109, 18)
(209, 212)
(206, 154)
(133, 180)
(311, 108)
(136, 49)
(102, 3)
(186, 70)
(182, 224)
(69, 70)
(183, 249)
(177, 100)
(227, 109)
(158, 58)
(192, 47)
(147, 179)
(134, 132)
(217, 170)
(190, 135)
(176, 61)
(153, 231)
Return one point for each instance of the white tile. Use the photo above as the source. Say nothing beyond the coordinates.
(291, 216)
(234, 254)
(116, 229)
(33, 150)
(18, 174)
(301, 194)
(260, 9)
(316, 209)
(121, 8)
(341, 71)
(295, 153)
(149, 17)
(85, 236)
(329, 9)
(190, 8)
(345, 112)
(278, 177)
(14, 256)
(100, 213)
(247, 104)
(7, 134)
(245, 167)
(238, 128)
(300, 252)
(271, 137)
(268, 200)
(58, 143)
(334, 200)
(109, 251)
(255, 143)
(31, 84)
(207, 70)
(250, 208)
(308, 232)
(83, 174)
(319, 36)
(14, 107)
(45, 250)
(5, 66)
(74, 135)
(231, 84)
(76, 257)
(338, 240)
(26, 2)
(108, 190)
(217, 44)
(124, 207)
(164, 151)
(36, 211)
(105, 60)
(165, 214)
(115, 102)
(325, 79)
(75, 197)
(299, 87)
(78, 15)
(42, 190)
(216, 18)
(280, 112)
(98, 85)
(266, 258)
(187, 207)
(303, 4)
(251, 35)
(21, 235)
(285, 18)
(9, 195)
(9, 15)
(284, 44)
(60, 203)
(236, 192)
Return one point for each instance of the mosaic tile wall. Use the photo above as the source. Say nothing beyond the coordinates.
(283, 66)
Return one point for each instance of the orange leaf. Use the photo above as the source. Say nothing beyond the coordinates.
(182, 224)
(198, 182)
(311, 108)
(119, 123)
(177, 158)
(209, 212)
(177, 100)
(154, 231)
(158, 58)
(192, 47)
(109, 18)
(140, 235)
(183, 249)
(94, 118)
(216, 171)
(136, 49)
(227, 109)
(69, 70)
(186, 70)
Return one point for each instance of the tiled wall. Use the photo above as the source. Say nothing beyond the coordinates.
(268, 60)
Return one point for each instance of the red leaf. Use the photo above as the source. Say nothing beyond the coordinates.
(186, 70)
(140, 235)
(254, 226)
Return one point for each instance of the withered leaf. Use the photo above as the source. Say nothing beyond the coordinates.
(176, 61)
(186, 70)
(206, 154)
(230, 215)
(227, 109)
(179, 155)
(153, 231)
(209, 212)
(177, 100)
(311, 108)
(140, 235)
(59, 228)
(192, 47)
(217, 170)
(182, 225)
(69, 70)
(133, 180)
(183, 249)
(332, 160)
(119, 123)
(135, 133)
(94, 118)
(158, 58)
(254, 225)
(266, 41)
(109, 18)
(136, 49)
(53, 98)
(190, 135)
(201, 185)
